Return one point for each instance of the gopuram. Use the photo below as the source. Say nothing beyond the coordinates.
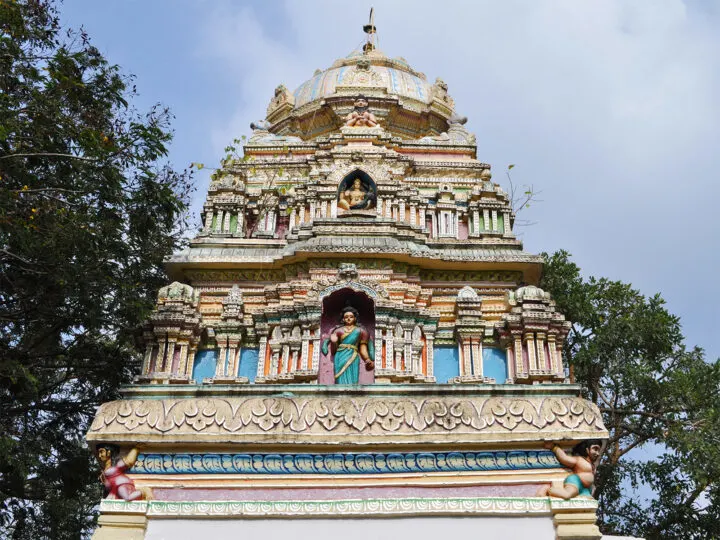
(354, 345)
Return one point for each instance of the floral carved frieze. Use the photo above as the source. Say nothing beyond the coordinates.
(348, 419)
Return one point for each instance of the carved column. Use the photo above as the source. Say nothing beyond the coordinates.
(413, 214)
(241, 223)
(147, 359)
(476, 222)
(540, 351)
(293, 216)
(477, 357)
(191, 360)
(494, 221)
(401, 211)
(379, 207)
(519, 364)
(430, 355)
(226, 222)
(233, 357)
(333, 208)
(182, 364)
(530, 345)
(302, 213)
(316, 351)
(262, 353)
(305, 349)
(208, 220)
(510, 363)
(220, 219)
(222, 358)
(422, 218)
(389, 349)
(466, 356)
(408, 352)
(506, 224)
(486, 219)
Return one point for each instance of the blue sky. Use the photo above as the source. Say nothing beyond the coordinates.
(610, 108)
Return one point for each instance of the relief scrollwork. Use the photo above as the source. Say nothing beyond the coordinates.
(349, 416)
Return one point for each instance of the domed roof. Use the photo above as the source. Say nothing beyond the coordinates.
(370, 69)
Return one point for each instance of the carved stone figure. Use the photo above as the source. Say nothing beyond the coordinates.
(347, 343)
(117, 484)
(361, 116)
(356, 197)
(282, 96)
(582, 463)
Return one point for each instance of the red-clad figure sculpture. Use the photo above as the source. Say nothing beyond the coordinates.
(117, 484)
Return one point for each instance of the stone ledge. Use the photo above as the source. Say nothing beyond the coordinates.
(343, 509)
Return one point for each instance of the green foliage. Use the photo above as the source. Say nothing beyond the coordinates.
(660, 473)
(88, 213)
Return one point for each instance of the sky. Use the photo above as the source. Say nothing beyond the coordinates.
(610, 109)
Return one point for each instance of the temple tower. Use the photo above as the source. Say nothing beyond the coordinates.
(354, 338)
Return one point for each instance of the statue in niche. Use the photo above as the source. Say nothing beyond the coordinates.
(348, 343)
(117, 484)
(361, 116)
(358, 195)
(582, 463)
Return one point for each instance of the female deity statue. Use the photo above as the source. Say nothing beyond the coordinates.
(355, 198)
(348, 342)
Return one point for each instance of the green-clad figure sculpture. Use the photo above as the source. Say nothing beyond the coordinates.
(349, 342)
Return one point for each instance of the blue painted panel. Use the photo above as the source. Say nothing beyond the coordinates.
(446, 362)
(495, 364)
(204, 365)
(337, 463)
(248, 364)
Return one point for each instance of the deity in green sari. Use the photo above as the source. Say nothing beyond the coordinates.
(349, 343)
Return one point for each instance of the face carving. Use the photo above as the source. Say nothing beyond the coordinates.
(349, 318)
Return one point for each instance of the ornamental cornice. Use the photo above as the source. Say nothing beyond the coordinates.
(355, 420)
(343, 509)
(344, 463)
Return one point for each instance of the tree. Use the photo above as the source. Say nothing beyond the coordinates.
(88, 213)
(659, 476)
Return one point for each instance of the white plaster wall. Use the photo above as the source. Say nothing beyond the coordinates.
(416, 528)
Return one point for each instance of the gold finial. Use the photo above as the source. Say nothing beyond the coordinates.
(370, 30)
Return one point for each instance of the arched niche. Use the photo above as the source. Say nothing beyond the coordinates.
(367, 185)
(332, 306)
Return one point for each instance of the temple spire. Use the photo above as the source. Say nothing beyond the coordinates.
(370, 30)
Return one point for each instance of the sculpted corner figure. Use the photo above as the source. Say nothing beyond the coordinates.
(582, 463)
(117, 484)
(355, 198)
(348, 342)
(361, 116)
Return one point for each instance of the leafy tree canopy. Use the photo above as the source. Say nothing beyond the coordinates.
(88, 212)
(659, 476)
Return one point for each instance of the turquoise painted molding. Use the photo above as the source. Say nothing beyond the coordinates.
(349, 463)
(366, 508)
